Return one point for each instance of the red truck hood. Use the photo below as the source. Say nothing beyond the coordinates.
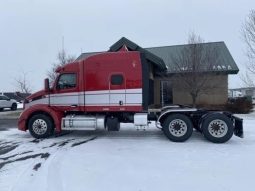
(36, 95)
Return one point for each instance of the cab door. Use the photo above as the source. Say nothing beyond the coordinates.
(117, 89)
(67, 92)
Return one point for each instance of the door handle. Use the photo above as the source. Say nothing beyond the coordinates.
(74, 105)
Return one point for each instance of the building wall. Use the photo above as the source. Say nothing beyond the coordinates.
(157, 92)
(214, 96)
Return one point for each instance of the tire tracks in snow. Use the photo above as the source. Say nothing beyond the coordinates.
(4, 149)
(42, 155)
(53, 164)
(7, 148)
(82, 142)
(6, 158)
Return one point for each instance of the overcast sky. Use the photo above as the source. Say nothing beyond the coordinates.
(31, 30)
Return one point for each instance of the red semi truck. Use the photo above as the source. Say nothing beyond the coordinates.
(110, 88)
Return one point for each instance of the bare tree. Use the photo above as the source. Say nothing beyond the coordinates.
(248, 34)
(247, 79)
(22, 84)
(193, 66)
(62, 59)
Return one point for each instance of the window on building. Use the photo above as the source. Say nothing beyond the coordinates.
(117, 79)
(66, 81)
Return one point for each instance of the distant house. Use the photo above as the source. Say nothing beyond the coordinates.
(159, 60)
(19, 97)
(240, 92)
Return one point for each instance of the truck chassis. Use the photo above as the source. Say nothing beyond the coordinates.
(176, 121)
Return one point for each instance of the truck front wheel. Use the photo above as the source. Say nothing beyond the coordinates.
(40, 126)
(177, 127)
(217, 128)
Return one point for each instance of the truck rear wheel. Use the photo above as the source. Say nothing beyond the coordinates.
(217, 128)
(40, 126)
(177, 127)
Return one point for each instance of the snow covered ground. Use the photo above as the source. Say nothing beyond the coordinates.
(126, 160)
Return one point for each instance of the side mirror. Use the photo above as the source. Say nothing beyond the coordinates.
(47, 85)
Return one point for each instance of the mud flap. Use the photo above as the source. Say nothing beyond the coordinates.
(238, 126)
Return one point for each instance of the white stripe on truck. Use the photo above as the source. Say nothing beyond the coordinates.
(100, 98)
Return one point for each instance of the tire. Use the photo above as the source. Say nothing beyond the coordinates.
(217, 128)
(178, 127)
(40, 126)
(14, 107)
(112, 124)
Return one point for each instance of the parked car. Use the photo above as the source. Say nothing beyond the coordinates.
(6, 102)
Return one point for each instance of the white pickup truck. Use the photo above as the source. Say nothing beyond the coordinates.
(6, 102)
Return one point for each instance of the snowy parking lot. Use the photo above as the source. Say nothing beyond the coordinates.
(126, 160)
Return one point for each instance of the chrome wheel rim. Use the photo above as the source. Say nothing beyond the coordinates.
(39, 126)
(218, 128)
(178, 127)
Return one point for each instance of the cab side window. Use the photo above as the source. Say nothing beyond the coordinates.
(66, 81)
(117, 79)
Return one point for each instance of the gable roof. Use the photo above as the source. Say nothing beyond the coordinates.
(225, 62)
(163, 56)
